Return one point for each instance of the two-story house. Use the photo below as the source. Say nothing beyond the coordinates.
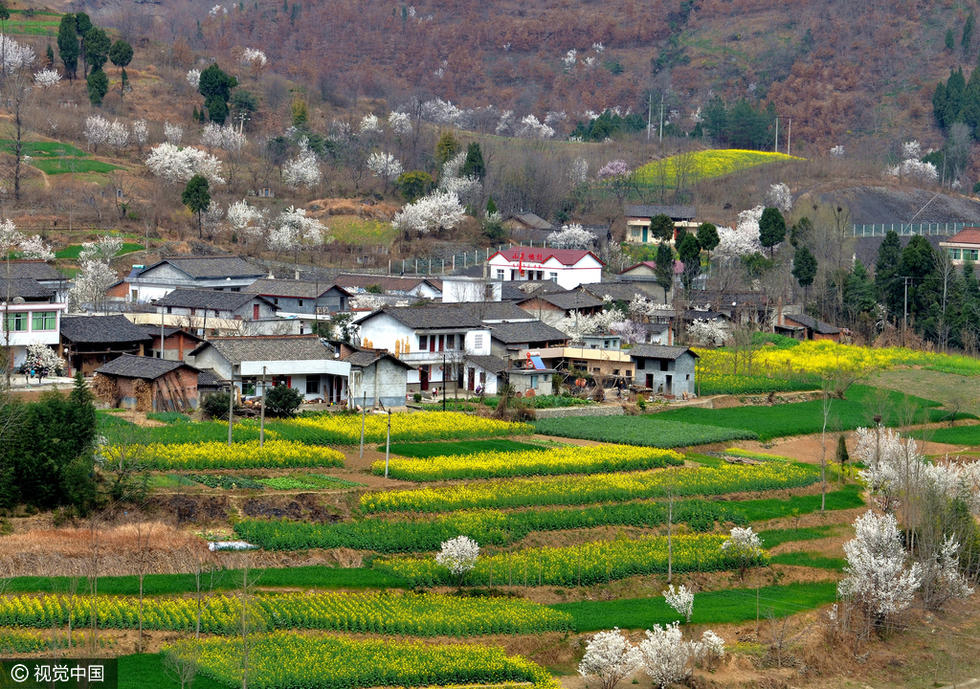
(302, 297)
(568, 267)
(33, 316)
(639, 218)
(258, 315)
(668, 371)
(437, 338)
(392, 285)
(148, 283)
(88, 342)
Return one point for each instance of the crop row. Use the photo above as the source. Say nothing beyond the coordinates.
(560, 460)
(577, 565)
(293, 482)
(419, 615)
(345, 429)
(653, 430)
(285, 660)
(247, 455)
(487, 527)
(577, 490)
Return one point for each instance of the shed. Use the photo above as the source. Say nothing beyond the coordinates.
(147, 384)
(91, 341)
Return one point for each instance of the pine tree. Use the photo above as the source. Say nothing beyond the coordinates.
(68, 45)
(665, 267)
(772, 228)
(887, 278)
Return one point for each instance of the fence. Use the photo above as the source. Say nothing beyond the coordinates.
(939, 229)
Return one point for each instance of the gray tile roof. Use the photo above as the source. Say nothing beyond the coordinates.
(493, 364)
(269, 348)
(365, 357)
(154, 331)
(95, 329)
(387, 283)
(568, 301)
(302, 289)
(462, 315)
(532, 220)
(817, 326)
(528, 331)
(211, 266)
(207, 378)
(654, 351)
(625, 290)
(209, 299)
(37, 270)
(145, 367)
(648, 211)
(28, 288)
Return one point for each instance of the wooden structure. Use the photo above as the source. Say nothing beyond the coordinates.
(147, 384)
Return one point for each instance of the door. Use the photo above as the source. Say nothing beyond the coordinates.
(423, 377)
(646, 233)
(471, 379)
(668, 387)
(650, 381)
(255, 312)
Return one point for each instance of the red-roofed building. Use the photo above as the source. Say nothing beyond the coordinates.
(963, 246)
(568, 267)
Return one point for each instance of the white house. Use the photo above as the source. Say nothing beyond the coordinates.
(33, 316)
(302, 362)
(257, 315)
(568, 267)
(376, 377)
(460, 288)
(963, 246)
(437, 338)
(146, 284)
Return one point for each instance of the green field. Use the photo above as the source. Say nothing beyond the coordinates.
(357, 231)
(57, 157)
(65, 166)
(73, 250)
(701, 165)
(459, 447)
(955, 435)
(654, 430)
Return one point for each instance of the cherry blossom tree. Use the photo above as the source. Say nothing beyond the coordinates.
(95, 274)
(302, 170)
(173, 133)
(254, 58)
(140, 133)
(837, 151)
(912, 166)
(531, 128)
(400, 123)
(175, 164)
(438, 211)
(572, 236)
(743, 239)
(681, 600)
(707, 333)
(293, 230)
(118, 135)
(780, 197)
(35, 248)
(369, 125)
(245, 219)
(744, 547)
(877, 579)
(384, 165)
(193, 77)
(459, 556)
(46, 78)
(96, 131)
(610, 657)
(41, 357)
(225, 137)
(668, 658)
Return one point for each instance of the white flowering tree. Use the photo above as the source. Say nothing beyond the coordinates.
(302, 170)
(436, 212)
(384, 165)
(400, 123)
(668, 658)
(707, 333)
(878, 579)
(47, 78)
(837, 151)
(95, 273)
(193, 77)
(459, 556)
(681, 600)
(531, 128)
(175, 164)
(139, 134)
(118, 135)
(911, 166)
(254, 59)
(245, 220)
(18, 84)
(610, 657)
(13, 241)
(292, 230)
(780, 197)
(225, 137)
(173, 133)
(96, 131)
(40, 357)
(743, 547)
(743, 239)
(572, 236)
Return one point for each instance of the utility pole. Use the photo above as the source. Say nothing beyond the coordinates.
(262, 412)
(789, 135)
(363, 412)
(444, 382)
(776, 146)
(388, 444)
(661, 118)
(231, 404)
(905, 308)
(649, 114)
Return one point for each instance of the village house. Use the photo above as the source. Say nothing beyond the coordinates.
(146, 284)
(88, 342)
(667, 371)
(302, 297)
(607, 367)
(376, 377)
(508, 340)
(638, 220)
(391, 285)
(44, 273)
(302, 362)
(147, 384)
(568, 267)
(177, 342)
(33, 316)
(552, 307)
(800, 326)
(528, 228)
(257, 315)
(963, 246)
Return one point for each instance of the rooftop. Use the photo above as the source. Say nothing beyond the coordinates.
(268, 348)
(567, 301)
(27, 288)
(527, 331)
(302, 289)
(218, 300)
(38, 270)
(649, 211)
(654, 351)
(817, 326)
(461, 315)
(210, 266)
(145, 367)
(95, 329)
(567, 257)
(968, 235)
(387, 283)
(532, 220)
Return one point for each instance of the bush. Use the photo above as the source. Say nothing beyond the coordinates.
(282, 401)
(215, 406)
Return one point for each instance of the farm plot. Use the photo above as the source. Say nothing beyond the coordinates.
(537, 462)
(653, 430)
(345, 429)
(247, 455)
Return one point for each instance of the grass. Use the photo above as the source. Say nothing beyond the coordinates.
(653, 430)
(846, 498)
(43, 149)
(710, 607)
(147, 671)
(351, 229)
(459, 447)
(61, 166)
(307, 482)
(73, 250)
(57, 157)
(774, 537)
(168, 416)
(313, 576)
(806, 559)
(782, 420)
(956, 435)
(702, 165)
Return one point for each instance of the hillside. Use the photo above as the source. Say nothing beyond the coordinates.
(840, 71)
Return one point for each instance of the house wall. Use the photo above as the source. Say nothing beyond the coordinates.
(173, 391)
(528, 384)
(587, 271)
(682, 372)
(20, 339)
(209, 358)
(454, 291)
(383, 381)
(544, 311)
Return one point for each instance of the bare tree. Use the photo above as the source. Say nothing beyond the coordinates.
(182, 666)
(144, 531)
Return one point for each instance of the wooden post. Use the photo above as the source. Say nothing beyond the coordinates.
(388, 444)
(363, 407)
(262, 413)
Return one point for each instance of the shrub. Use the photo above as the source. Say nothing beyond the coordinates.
(282, 401)
(215, 406)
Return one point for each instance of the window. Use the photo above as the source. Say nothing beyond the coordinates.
(615, 371)
(954, 254)
(134, 294)
(534, 382)
(275, 300)
(423, 342)
(16, 322)
(553, 277)
(300, 301)
(500, 274)
(43, 320)
(663, 364)
(478, 341)
(974, 254)
(313, 385)
(640, 363)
